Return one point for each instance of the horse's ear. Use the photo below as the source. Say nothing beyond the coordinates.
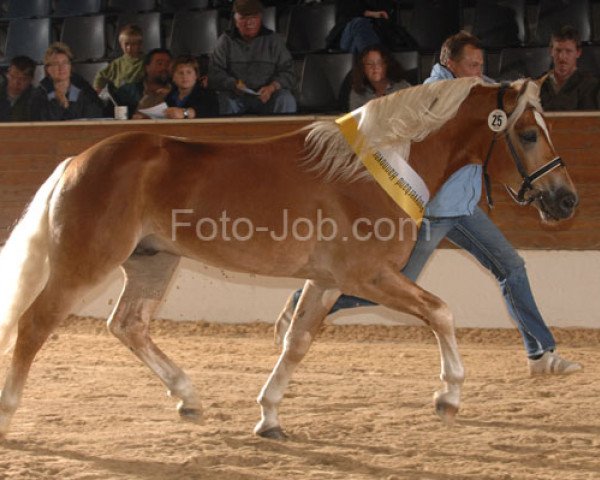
(541, 80)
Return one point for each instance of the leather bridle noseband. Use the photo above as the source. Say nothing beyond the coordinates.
(528, 180)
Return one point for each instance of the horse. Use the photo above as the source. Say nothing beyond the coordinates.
(140, 202)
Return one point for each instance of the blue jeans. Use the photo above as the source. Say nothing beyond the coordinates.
(478, 235)
(282, 101)
(357, 35)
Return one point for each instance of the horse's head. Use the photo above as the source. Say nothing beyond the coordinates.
(534, 173)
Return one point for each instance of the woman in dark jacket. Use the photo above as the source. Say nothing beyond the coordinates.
(63, 95)
(189, 97)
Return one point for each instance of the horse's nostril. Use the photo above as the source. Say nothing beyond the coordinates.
(568, 201)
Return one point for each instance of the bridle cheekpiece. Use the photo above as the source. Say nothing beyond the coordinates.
(527, 184)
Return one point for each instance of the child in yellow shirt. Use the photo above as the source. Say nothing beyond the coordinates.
(128, 68)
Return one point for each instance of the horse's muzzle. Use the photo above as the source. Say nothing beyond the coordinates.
(558, 204)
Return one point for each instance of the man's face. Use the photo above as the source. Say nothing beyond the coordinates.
(565, 54)
(18, 81)
(248, 25)
(158, 68)
(468, 64)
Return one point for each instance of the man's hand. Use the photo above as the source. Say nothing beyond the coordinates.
(376, 14)
(265, 93)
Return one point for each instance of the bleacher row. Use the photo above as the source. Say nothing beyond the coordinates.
(515, 33)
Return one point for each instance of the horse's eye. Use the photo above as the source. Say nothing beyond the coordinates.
(528, 137)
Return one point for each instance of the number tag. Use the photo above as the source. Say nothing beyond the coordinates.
(497, 120)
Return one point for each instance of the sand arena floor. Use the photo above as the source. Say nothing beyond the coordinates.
(359, 407)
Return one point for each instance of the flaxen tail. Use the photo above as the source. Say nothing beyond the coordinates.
(24, 267)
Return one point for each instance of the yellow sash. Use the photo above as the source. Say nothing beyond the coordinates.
(399, 180)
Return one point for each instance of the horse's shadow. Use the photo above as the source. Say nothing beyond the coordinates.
(147, 468)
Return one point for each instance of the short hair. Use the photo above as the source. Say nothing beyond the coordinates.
(186, 60)
(150, 55)
(55, 48)
(24, 64)
(564, 33)
(394, 70)
(131, 30)
(454, 45)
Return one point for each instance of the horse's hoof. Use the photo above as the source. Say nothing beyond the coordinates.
(193, 415)
(275, 433)
(446, 411)
(445, 408)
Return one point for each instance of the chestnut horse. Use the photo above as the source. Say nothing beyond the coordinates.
(140, 202)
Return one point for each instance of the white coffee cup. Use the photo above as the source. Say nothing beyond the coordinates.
(120, 112)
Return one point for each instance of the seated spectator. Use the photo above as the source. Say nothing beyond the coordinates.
(15, 95)
(188, 97)
(251, 66)
(565, 87)
(63, 95)
(375, 74)
(152, 89)
(363, 23)
(129, 67)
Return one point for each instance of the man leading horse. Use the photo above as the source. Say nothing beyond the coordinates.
(453, 213)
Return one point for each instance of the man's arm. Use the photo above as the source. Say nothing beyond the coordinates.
(218, 76)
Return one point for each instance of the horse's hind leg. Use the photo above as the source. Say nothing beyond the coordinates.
(35, 325)
(312, 308)
(146, 280)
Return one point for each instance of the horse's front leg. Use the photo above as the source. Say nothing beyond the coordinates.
(396, 291)
(312, 308)
(147, 278)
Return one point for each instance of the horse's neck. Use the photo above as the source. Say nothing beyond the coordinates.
(462, 141)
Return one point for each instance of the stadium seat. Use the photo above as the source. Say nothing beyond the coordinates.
(194, 33)
(308, 27)
(554, 14)
(410, 62)
(149, 22)
(523, 62)
(38, 74)
(500, 23)
(27, 36)
(321, 79)
(89, 70)
(86, 36)
(269, 18)
(28, 8)
(68, 8)
(590, 59)
(174, 6)
(131, 5)
(433, 21)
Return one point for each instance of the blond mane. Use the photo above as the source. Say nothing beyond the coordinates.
(398, 119)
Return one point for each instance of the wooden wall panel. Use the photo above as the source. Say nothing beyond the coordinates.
(29, 152)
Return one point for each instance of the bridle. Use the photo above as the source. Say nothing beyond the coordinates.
(527, 184)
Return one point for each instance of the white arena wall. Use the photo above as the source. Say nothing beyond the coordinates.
(566, 285)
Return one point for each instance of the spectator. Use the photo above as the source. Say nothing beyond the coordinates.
(129, 67)
(363, 23)
(375, 74)
(152, 89)
(61, 94)
(565, 87)
(189, 98)
(15, 95)
(251, 66)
